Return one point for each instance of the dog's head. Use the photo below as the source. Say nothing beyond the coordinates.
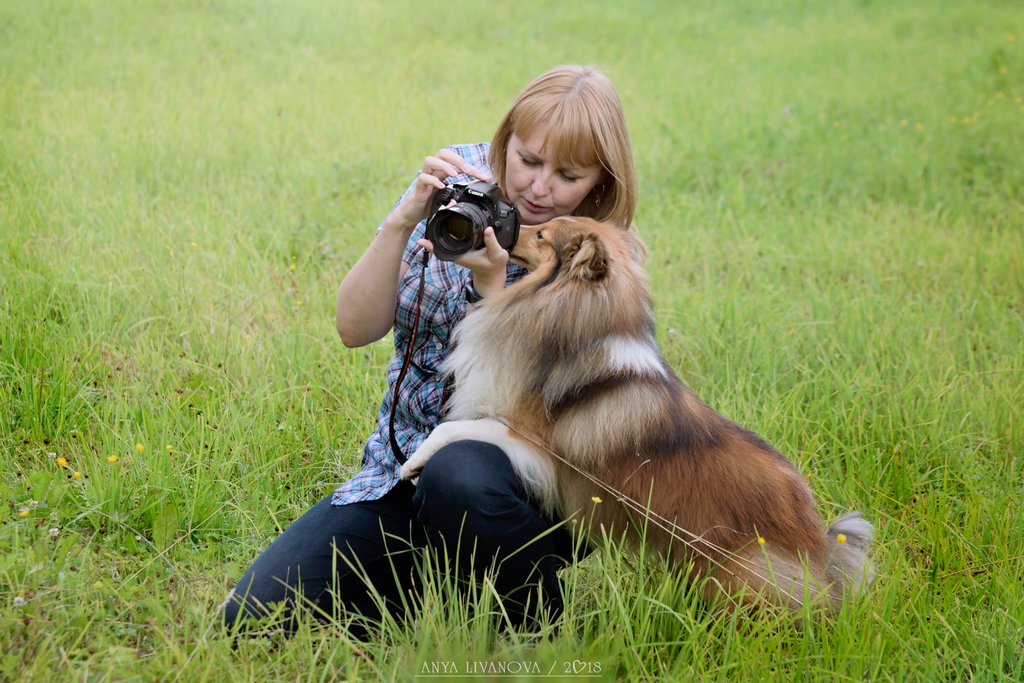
(576, 248)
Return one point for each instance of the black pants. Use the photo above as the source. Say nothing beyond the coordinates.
(469, 506)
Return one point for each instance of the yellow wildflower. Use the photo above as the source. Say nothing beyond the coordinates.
(760, 540)
(597, 501)
(113, 459)
(841, 539)
(140, 448)
(62, 461)
(77, 475)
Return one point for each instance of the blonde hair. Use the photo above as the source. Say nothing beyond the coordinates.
(587, 126)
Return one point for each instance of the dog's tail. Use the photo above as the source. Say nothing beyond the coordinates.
(849, 567)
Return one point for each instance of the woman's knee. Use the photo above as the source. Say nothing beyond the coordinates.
(462, 471)
(469, 485)
(242, 606)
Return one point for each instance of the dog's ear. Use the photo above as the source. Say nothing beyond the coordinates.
(587, 257)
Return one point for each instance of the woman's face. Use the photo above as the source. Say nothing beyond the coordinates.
(540, 187)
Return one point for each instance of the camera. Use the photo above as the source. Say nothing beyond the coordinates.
(459, 228)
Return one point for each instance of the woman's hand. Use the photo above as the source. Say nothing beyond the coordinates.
(489, 264)
(365, 309)
(436, 169)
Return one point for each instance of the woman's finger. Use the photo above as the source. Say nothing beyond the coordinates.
(430, 180)
(495, 252)
(440, 168)
(461, 165)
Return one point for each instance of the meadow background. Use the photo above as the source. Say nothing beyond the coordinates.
(832, 192)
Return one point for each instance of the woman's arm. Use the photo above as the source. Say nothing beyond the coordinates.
(367, 296)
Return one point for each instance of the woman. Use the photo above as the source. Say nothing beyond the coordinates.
(563, 148)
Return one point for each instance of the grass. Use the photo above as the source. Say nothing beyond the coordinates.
(832, 193)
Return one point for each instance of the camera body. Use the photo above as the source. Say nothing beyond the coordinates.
(459, 228)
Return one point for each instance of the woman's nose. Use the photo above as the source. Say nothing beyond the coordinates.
(540, 187)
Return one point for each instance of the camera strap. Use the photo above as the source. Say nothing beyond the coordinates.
(396, 450)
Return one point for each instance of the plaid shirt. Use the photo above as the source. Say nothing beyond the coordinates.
(419, 410)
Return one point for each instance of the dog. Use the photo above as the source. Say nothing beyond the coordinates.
(562, 371)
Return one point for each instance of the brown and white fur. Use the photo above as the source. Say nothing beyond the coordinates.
(563, 372)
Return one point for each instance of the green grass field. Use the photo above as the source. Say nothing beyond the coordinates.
(833, 194)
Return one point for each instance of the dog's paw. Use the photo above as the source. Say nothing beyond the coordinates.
(447, 433)
(411, 469)
(443, 434)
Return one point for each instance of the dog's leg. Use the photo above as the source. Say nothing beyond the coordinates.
(535, 468)
(443, 434)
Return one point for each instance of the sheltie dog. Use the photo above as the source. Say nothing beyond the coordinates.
(563, 372)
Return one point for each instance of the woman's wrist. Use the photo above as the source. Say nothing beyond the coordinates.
(486, 285)
(473, 296)
(397, 225)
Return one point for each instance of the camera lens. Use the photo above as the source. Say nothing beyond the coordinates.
(457, 229)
